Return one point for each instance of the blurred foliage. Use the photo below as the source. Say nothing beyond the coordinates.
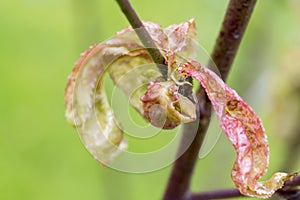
(42, 156)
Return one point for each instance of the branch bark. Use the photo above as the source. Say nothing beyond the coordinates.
(220, 194)
(144, 36)
(234, 25)
(233, 28)
(179, 181)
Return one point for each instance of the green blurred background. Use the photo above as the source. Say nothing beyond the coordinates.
(41, 156)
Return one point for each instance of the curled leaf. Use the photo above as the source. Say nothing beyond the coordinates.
(88, 110)
(129, 66)
(182, 39)
(165, 108)
(244, 129)
(133, 71)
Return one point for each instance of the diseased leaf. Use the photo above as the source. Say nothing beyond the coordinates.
(244, 129)
(132, 73)
(126, 59)
(88, 110)
(182, 39)
(155, 30)
(133, 69)
(164, 107)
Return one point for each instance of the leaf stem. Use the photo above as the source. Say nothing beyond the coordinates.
(234, 25)
(143, 34)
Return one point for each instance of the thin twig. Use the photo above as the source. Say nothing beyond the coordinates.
(294, 182)
(235, 22)
(230, 193)
(220, 194)
(143, 34)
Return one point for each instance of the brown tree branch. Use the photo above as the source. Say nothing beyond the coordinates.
(235, 22)
(144, 36)
(179, 181)
(233, 28)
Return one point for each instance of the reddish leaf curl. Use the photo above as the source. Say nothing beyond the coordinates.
(244, 129)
